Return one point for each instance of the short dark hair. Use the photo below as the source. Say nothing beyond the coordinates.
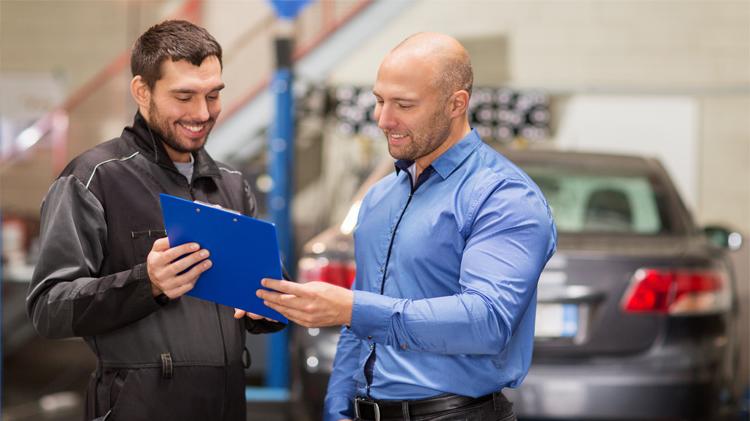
(173, 39)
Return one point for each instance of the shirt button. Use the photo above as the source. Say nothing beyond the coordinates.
(369, 337)
(403, 346)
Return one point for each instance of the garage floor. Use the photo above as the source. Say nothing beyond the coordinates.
(46, 379)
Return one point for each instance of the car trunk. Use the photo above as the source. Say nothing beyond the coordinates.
(579, 311)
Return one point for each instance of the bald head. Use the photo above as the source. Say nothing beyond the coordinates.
(449, 59)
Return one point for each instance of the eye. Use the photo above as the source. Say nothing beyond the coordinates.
(405, 106)
(213, 97)
(183, 98)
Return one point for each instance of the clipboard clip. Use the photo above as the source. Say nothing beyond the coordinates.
(217, 207)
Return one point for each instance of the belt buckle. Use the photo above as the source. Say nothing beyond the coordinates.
(375, 408)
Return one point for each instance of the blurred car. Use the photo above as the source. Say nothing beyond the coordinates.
(637, 314)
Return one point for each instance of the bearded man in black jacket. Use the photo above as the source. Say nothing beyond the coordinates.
(106, 273)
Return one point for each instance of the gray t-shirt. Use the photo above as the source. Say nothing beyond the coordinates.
(186, 168)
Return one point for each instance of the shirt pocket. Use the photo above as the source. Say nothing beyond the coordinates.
(143, 241)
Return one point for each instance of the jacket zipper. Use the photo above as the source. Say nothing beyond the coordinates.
(224, 347)
(221, 329)
(371, 359)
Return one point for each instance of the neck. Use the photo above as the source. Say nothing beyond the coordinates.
(456, 134)
(176, 156)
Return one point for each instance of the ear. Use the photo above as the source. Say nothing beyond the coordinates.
(459, 103)
(141, 93)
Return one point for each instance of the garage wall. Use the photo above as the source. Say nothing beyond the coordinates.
(697, 50)
(71, 38)
(68, 42)
(725, 160)
(631, 125)
(587, 45)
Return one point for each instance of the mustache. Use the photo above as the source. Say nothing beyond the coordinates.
(197, 122)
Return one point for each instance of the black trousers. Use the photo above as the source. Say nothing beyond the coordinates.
(499, 408)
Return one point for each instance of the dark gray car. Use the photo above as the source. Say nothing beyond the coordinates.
(637, 312)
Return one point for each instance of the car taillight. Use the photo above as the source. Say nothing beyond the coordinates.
(334, 272)
(677, 292)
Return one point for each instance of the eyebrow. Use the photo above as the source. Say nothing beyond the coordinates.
(192, 91)
(397, 99)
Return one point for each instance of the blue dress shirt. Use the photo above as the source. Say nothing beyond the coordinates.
(445, 293)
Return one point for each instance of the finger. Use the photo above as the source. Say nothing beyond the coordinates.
(265, 295)
(179, 290)
(297, 316)
(254, 316)
(175, 252)
(275, 297)
(185, 262)
(160, 244)
(238, 314)
(192, 275)
(189, 277)
(285, 286)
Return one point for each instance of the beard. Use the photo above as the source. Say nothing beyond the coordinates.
(165, 129)
(427, 139)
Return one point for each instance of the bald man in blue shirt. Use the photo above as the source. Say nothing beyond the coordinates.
(449, 249)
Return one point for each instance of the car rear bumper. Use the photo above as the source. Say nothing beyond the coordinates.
(614, 392)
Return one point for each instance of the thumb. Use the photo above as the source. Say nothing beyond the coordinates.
(161, 244)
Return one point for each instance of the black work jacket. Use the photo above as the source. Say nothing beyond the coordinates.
(176, 361)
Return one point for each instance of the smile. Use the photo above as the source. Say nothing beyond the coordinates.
(397, 138)
(193, 128)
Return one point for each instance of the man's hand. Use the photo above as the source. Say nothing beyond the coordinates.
(238, 314)
(314, 304)
(165, 266)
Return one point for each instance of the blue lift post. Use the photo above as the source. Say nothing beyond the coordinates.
(281, 170)
(2, 282)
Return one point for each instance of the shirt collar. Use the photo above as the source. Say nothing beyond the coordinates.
(451, 159)
(403, 165)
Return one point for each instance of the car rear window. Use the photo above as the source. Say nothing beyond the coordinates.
(585, 201)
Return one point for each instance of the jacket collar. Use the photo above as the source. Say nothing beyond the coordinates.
(151, 144)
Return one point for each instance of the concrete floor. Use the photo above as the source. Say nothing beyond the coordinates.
(46, 380)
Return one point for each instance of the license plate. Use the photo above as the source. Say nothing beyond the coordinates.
(556, 320)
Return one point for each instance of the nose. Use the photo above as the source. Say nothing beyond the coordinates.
(201, 110)
(384, 116)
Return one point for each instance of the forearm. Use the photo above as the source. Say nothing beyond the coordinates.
(89, 306)
(504, 255)
(475, 324)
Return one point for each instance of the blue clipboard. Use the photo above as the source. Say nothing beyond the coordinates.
(243, 251)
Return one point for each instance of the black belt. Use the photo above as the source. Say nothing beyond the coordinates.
(375, 410)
